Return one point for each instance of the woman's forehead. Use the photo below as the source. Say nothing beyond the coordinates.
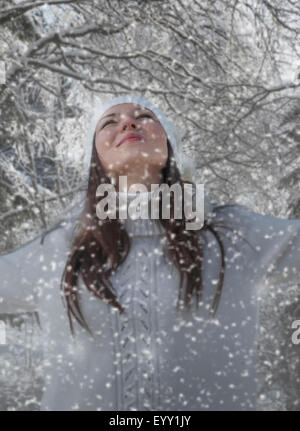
(125, 108)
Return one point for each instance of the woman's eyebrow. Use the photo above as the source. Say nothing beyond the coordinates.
(109, 115)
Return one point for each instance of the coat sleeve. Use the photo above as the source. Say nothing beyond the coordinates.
(19, 271)
(274, 242)
(24, 270)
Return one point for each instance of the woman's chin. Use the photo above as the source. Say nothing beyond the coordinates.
(134, 158)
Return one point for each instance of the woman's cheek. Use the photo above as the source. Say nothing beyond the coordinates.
(103, 145)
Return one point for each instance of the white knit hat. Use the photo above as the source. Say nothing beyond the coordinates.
(185, 164)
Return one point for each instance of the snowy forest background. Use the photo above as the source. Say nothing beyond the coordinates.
(227, 72)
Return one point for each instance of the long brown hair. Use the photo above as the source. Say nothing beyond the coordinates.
(99, 247)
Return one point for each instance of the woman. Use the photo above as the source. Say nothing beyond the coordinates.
(152, 316)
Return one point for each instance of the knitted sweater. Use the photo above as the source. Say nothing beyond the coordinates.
(154, 357)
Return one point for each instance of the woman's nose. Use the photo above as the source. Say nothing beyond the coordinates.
(129, 123)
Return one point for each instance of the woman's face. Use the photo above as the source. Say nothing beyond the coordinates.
(147, 148)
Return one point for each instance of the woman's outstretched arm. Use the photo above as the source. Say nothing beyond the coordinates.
(19, 271)
(275, 243)
(24, 271)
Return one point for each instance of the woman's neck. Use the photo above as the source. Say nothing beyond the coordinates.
(127, 183)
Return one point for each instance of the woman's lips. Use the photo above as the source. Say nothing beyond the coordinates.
(135, 138)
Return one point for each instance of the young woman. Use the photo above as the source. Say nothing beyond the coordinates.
(150, 315)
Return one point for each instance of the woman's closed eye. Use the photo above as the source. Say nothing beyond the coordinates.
(112, 121)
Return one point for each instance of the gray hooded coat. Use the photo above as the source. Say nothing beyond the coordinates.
(154, 358)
